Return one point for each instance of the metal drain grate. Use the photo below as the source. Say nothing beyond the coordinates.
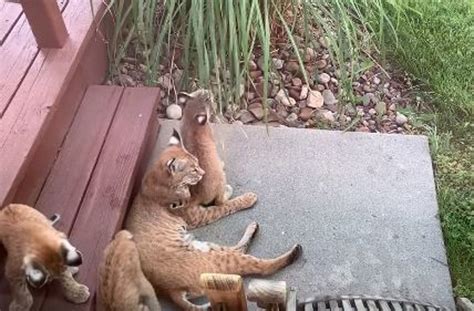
(362, 303)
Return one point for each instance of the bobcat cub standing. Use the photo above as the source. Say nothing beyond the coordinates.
(122, 285)
(36, 254)
(171, 259)
(199, 141)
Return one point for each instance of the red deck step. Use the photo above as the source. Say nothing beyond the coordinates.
(91, 181)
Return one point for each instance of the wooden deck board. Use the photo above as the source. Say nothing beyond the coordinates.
(68, 180)
(71, 173)
(24, 122)
(20, 50)
(91, 71)
(108, 194)
(9, 15)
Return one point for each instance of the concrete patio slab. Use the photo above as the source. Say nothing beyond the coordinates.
(363, 206)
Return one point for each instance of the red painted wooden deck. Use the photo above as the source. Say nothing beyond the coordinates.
(69, 146)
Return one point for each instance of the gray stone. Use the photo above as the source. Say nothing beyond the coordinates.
(304, 92)
(363, 206)
(329, 98)
(324, 78)
(464, 304)
(321, 64)
(174, 112)
(283, 98)
(278, 63)
(315, 99)
(166, 81)
(401, 118)
(367, 98)
(326, 116)
(292, 117)
(246, 117)
(126, 80)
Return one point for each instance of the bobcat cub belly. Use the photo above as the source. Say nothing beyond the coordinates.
(37, 254)
(122, 284)
(199, 140)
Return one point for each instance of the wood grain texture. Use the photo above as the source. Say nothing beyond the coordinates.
(108, 193)
(267, 292)
(91, 70)
(9, 15)
(67, 182)
(24, 122)
(18, 52)
(72, 171)
(224, 291)
(46, 22)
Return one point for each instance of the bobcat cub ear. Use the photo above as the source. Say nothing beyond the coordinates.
(36, 275)
(183, 97)
(71, 256)
(175, 139)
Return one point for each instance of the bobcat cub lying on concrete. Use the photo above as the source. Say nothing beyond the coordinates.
(171, 258)
(36, 254)
(122, 285)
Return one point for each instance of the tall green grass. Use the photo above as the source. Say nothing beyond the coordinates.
(213, 41)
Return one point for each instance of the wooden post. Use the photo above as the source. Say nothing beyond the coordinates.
(224, 291)
(46, 22)
(270, 295)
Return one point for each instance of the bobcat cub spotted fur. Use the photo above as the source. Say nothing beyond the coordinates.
(171, 259)
(36, 254)
(199, 141)
(122, 285)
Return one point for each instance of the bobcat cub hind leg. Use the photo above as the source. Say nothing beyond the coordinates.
(22, 298)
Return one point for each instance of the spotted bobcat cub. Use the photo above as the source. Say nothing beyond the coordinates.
(122, 285)
(198, 139)
(36, 254)
(171, 258)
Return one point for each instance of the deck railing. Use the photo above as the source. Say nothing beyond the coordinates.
(46, 22)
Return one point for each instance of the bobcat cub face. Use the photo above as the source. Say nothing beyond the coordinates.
(172, 174)
(183, 167)
(197, 107)
(48, 260)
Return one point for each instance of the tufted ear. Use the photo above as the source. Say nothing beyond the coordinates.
(175, 139)
(184, 96)
(71, 256)
(35, 273)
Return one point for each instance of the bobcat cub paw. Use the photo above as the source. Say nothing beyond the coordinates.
(78, 295)
(228, 192)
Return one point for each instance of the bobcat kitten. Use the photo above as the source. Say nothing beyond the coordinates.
(171, 258)
(122, 285)
(36, 254)
(198, 139)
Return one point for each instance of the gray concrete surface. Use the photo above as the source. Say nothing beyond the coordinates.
(363, 206)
